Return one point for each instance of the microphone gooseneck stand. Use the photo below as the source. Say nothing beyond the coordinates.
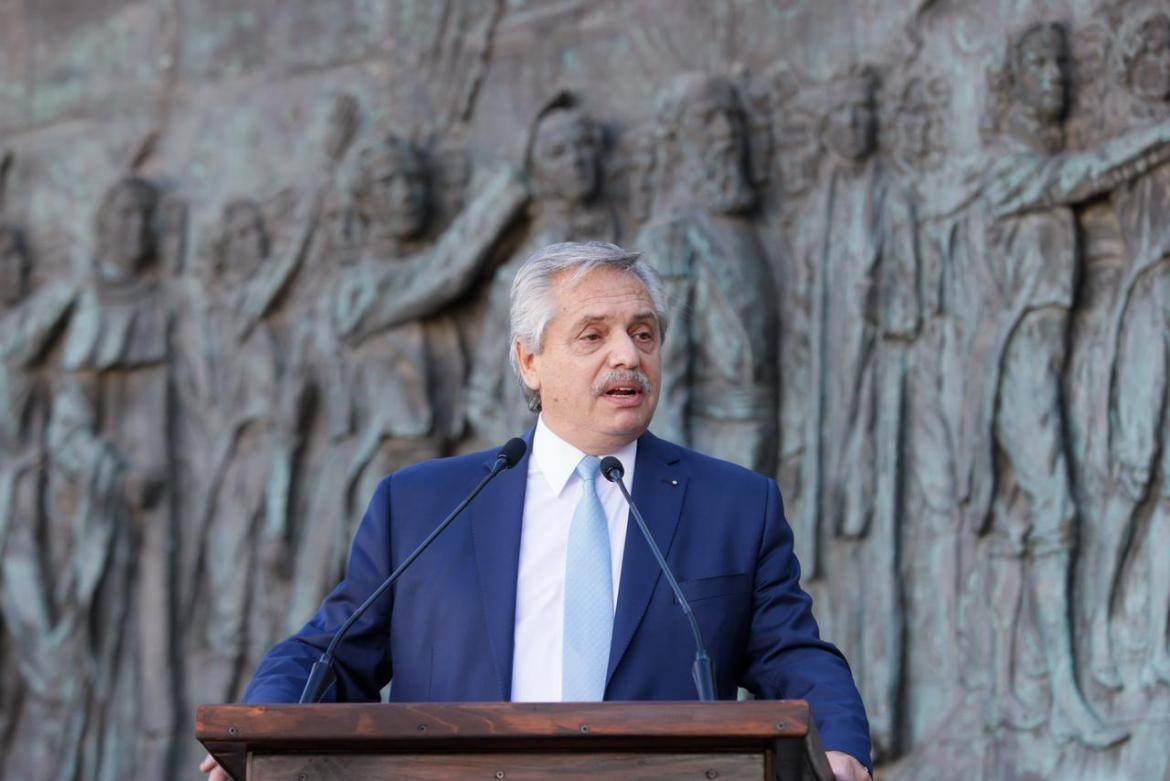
(702, 672)
(322, 673)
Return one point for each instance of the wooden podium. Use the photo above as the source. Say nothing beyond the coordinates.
(773, 740)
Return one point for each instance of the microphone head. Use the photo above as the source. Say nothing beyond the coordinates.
(612, 469)
(512, 451)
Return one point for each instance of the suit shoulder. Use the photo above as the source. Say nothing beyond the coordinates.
(442, 471)
(727, 471)
(710, 468)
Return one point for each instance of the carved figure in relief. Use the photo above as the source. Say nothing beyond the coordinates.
(66, 589)
(243, 525)
(719, 393)
(930, 553)
(117, 344)
(28, 324)
(642, 175)
(51, 563)
(793, 141)
(918, 130)
(563, 161)
(378, 359)
(1014, 469)
(324, 230)
(1139, 381)
(865, 312)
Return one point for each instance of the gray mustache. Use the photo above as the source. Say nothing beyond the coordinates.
(622, 376)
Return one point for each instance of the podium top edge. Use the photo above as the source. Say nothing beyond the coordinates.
(753, 720)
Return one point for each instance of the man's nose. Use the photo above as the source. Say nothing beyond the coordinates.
(623, 352)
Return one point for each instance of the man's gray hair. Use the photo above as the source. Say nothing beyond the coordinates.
(533, 305)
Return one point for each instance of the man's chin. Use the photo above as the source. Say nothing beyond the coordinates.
(629, 423)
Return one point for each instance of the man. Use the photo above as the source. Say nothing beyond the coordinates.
(496, 610)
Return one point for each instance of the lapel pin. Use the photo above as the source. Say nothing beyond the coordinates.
(674, 482)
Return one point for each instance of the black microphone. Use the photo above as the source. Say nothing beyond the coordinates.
(322, 673)
(702, 672)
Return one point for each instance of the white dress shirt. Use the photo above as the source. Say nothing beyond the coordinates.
(549, 503)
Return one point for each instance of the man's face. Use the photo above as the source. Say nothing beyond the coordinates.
(1149, 75)
(1042, 73)
(851, 127)
(599, 371)
(714, 141)
(12, 269)
(566, 157)
(396, 198)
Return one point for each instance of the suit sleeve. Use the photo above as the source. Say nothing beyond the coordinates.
(362, 659)
(786, 657)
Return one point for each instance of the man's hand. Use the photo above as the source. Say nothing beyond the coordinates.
(844, 766)
(210, 766)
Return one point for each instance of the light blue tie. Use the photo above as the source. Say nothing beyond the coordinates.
(588, 594)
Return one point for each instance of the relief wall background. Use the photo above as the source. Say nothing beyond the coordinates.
(253, 256)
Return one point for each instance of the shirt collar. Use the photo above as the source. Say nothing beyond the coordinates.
(557, 460)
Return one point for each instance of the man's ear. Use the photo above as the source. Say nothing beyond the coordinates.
(526, 360)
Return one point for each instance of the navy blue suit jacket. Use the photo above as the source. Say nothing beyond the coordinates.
(721, 527)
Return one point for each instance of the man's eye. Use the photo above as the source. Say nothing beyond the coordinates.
(591, 337)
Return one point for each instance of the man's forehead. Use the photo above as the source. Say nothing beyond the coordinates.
(582, 289)
(598, 316)
(599, 276)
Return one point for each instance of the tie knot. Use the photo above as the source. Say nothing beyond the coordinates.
(589, 468)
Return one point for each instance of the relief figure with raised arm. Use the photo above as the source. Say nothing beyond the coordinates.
(1021, 278)
(386, 357)
(859, 239)
(563, 162)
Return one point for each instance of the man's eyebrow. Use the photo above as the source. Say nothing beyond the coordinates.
(588, 319)
(638, 318)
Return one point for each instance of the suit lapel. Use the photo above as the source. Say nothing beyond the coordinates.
(497, 517)
(658, 491)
